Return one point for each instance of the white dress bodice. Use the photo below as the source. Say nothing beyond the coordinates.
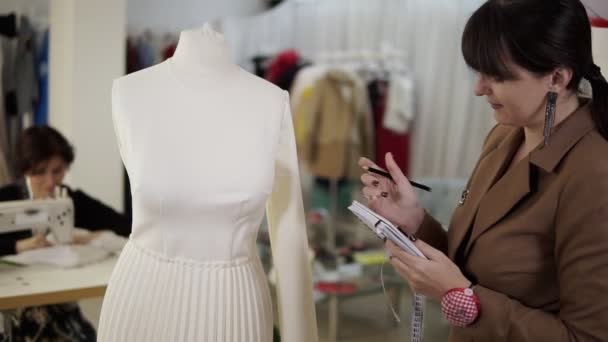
(207, 151)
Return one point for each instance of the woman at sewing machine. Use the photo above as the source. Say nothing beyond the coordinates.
(43, 157)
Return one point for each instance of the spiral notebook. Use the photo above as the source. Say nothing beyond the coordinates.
(383, 228)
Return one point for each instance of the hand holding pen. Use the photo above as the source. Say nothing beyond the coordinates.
(388, 175)
(392, 196)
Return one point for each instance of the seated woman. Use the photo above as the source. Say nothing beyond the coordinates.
(43, 156)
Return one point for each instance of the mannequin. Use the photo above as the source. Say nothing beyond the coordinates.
(207, 147)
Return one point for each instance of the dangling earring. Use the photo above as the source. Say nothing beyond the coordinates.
(549, 115)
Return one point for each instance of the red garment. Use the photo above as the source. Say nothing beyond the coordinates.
(169, 51)
(599, 22)
(386, 140)
(336, 287)
(282, 63)
(597, 11)
(132, 57)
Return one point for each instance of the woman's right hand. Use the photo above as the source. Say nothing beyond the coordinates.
(396, 201)
(35, 242)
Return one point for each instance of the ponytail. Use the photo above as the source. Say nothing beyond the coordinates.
(599, 105)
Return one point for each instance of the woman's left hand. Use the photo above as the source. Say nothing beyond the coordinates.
(432, 277)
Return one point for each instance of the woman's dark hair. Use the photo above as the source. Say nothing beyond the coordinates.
(539, 36)
(38, 144)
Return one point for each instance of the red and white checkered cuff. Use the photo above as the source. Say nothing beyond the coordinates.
(460, 307)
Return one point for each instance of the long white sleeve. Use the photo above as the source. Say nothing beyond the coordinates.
(289, 242)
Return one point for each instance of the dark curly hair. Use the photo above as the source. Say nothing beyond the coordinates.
(38, 144)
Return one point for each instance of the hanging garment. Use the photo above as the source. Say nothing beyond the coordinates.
(41, 115)
(9, 82)
(387, 140)
(157, 45)
(8, 25)
(259, 65)
(169, 50)
(25, 72)
(5, 174)
(300, 95)
(400, 104)
(133, 60)
(341, 126)
(304, 81)
(145, 53)
(283, 69)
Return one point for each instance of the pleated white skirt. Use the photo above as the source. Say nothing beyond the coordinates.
(153, 298)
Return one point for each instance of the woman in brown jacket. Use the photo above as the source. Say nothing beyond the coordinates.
(525, 257)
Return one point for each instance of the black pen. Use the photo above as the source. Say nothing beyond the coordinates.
(388, 175)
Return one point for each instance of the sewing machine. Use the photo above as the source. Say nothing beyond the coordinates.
(54, 216)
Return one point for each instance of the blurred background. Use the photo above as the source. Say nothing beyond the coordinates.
(412, 94)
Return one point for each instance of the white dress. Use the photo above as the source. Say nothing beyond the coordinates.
(206, 156)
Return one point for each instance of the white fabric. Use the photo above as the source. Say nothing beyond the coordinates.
(399, 104)
(69, 256)
(169, 299)
(450, 122)
(66, 256)
(109, 242)
(207, 146)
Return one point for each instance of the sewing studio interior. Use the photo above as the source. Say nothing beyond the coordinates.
(303, 170)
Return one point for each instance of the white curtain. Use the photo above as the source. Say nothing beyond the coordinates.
(450, 123)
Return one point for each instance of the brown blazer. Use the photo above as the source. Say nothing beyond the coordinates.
(538, 245)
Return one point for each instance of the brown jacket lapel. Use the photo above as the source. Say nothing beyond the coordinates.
(490, 168)
(492, 195)
(505, 194)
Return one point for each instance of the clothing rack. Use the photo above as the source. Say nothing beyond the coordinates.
(24, 90)
(8, 29)
(370, 65)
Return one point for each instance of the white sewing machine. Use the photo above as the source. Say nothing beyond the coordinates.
(54, 216)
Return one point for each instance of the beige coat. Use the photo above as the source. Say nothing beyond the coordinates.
(538, 245)
(340, 126)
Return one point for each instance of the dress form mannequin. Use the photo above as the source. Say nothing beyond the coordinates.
(207, 147)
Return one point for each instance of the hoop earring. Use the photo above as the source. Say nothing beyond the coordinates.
(549, 115)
